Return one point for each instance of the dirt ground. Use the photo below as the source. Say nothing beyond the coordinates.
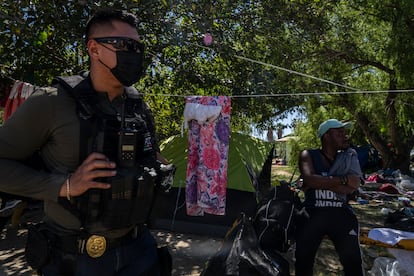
(190, 252)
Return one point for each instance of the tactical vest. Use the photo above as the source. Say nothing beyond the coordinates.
(315, 198)
(128, 140)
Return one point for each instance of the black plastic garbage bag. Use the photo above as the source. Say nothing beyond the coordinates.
(242, 255)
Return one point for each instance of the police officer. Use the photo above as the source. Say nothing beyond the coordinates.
(326, 190)
(89, 229)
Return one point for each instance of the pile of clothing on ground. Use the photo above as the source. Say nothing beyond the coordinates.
(388, 184)
(395, 187)
(398, 189)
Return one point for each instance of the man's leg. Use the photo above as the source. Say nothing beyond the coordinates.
(345, 237)
(307, 242)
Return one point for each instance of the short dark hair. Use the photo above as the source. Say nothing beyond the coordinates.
(106, 16)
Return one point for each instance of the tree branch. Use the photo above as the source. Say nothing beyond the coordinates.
(353, 60)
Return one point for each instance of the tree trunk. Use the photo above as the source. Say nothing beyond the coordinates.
(395, 155)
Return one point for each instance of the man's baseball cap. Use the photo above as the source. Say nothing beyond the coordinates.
(331, 123)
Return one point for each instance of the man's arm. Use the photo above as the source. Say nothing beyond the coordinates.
(316, 181)
(20, 137)
(19, 179)
(31, 127)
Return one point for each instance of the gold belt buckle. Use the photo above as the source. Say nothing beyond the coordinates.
(96, 246)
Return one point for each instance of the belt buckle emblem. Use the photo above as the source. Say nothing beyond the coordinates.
(96, 246)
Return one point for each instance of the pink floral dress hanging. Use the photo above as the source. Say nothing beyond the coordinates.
(208, 120)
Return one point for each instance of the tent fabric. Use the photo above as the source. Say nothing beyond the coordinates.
(246, 154)
(244, 150)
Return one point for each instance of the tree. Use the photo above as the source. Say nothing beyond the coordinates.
(265, 47)
(46, 41)
(41, 39)
(363, 44)
(232, 64)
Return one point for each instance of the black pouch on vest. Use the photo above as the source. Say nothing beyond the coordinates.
(37, 251)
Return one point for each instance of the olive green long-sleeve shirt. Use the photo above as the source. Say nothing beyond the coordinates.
(47, 121)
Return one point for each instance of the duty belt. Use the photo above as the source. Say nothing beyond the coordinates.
(94, 245)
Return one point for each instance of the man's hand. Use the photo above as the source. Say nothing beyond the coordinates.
(96, 165)
(354, 181)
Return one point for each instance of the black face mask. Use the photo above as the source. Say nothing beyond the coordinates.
(129, 68)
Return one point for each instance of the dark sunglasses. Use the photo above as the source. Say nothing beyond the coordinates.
(122, 43)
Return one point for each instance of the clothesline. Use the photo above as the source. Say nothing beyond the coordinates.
(293, 93)
(280, 94)
(281, 68)
(355, 90)
(296, 72)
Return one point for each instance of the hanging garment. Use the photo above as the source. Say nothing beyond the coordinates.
(18, 94)
(208, 119)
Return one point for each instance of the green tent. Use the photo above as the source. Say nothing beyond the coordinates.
(247, 155)
(245, 152)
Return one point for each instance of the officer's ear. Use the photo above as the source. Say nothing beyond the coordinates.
(93, 48)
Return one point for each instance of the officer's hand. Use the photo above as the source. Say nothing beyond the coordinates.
(95, 166)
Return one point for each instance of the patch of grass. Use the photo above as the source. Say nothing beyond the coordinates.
(286, 173)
